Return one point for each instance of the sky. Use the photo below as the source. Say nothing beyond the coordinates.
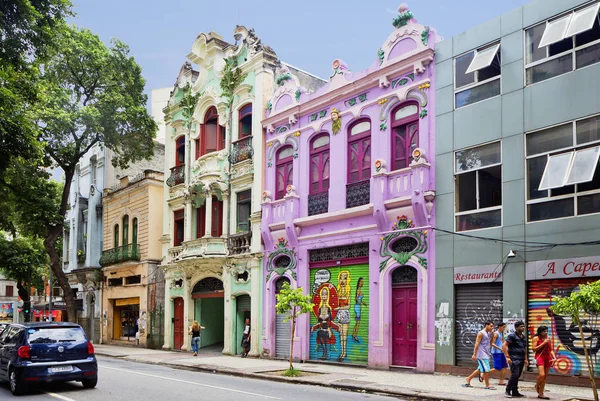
(308, 34)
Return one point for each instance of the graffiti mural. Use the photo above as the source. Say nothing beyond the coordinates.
(564, 334)
(339, 322)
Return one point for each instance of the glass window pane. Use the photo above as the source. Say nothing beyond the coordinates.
(493, 70)
(490, 187)
(478, 93)
(555, 31)
(354, 157)
(461, 64)
(466, 191)
(314, 169)
(405, 112)
(551, 210)
(477, 221)
(560, 47)
(483, 59)
(211, 136)
(478, 157)
(588, 56)
(533, 38)
(326, 168)
(583, 20)
(589, 36)
(592, 185)
(550, 69)
(285, 152)
(550, 139)
(321, 141)
(588, 204)
(360, 128)
(588, 130)
(583, 166)
(556, 171)
(535, 171)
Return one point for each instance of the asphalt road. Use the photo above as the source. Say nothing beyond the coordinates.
(130, 381)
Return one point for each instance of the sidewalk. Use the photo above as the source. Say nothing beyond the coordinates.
(402, 384)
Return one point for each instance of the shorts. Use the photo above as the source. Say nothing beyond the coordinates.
(545, 362)
(483, 365)
(500, 361)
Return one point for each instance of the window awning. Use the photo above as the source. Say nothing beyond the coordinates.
(570, 25)
(483, 59)
(570, 168)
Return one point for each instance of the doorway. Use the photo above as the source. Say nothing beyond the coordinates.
(404, 316)
(178, 323)
(242, 309)
(282, 329)
(209, 310)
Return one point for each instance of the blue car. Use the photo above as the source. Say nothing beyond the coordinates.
(46, 352)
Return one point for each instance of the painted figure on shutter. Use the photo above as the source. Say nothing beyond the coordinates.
(325, 326)
(343, 316)
(358, 304)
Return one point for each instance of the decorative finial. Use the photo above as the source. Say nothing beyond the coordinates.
(405, 16)
(402, 7)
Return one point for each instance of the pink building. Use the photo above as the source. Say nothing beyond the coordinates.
(348, 200)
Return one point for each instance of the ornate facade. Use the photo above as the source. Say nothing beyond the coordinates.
(348, 199)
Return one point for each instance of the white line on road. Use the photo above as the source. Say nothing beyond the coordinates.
(60, 397)
(194, 383)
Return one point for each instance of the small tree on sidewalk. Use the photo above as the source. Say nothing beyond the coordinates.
(292, 303)
(585, 301)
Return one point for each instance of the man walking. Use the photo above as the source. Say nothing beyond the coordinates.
(482, 354)
(515, 350)
(500, 363)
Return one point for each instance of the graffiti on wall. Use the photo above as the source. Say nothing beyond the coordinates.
(564, 334)
(339, 322)
(443, 324)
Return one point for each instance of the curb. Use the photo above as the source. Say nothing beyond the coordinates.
(370, 389)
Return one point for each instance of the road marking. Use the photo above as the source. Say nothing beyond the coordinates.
(60, 397)
(194, 383)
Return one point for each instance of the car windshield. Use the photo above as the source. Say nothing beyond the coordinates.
(49, 335)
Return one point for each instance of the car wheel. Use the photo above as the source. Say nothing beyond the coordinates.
(16, 384)
(90, 383)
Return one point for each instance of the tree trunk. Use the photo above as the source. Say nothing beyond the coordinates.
(292, 337)
(587, 359)
(24, 295)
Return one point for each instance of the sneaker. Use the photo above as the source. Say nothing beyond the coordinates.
(508, 395)
(519, 395)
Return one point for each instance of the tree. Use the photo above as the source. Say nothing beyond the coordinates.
(292, 303)
(23, 259)
(585, 301)
(91, 94)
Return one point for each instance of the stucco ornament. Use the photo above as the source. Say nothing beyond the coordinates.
(403, 245)
(405, 15)
(336, 122)
(281, 260)
(339, 68)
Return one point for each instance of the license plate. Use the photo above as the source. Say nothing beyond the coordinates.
(57, 369)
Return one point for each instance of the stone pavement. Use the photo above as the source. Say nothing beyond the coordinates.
(402, 384)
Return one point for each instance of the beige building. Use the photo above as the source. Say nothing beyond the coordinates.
(133, 285)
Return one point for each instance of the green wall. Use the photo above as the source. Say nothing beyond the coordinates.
(209, 313)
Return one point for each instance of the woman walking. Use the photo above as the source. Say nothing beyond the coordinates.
(544, 357)
(195, 332)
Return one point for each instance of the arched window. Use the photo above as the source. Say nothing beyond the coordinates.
(245, 127)
(359, 151)
(116, 236)
(285, 170)
(405, 134)
(125, 230)
(213, 135)
(180, 151)
(134, 231)
(319, 164)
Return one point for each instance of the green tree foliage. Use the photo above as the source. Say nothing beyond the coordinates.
(292, 303)
(232, 78)
(578, 304)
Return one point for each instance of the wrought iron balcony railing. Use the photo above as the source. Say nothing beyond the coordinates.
(358, 193)
(177, 175)
(120, 254)
(241, 150)
(318, 203)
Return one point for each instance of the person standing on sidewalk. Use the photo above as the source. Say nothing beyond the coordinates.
(246, 339)
(515, 350)
(195, 332)
(500, 363)
(544, 358)
(482, 354)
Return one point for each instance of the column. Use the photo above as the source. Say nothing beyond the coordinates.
(226, 212)
(187, 235)
(208, 228)
(168, 309)
(256, 316)
(230, 315)
(186, 322)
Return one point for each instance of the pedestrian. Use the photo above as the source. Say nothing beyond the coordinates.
(482, 354)
(515, 351)
(246, 339)
(500, 363)
(195, 330)
(544, 358)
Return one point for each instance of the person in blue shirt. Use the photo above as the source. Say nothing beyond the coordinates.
(500, 363)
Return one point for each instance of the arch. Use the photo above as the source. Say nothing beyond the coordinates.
(116, 234)
(212, 137)
(180, 150)
(404, 118)
(404, 46)
(284, 170)
(359, 150)
(125, 236)
(319, 168)
(134, 231)
(245, 113)
(279, 282)
(208, 285)
(284, 101)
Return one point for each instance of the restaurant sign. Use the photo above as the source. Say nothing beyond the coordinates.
(563, 268)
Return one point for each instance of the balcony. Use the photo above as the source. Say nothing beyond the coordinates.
(121, 254)
(358, 193)
(240, 243)
(400, 183)
(177, 175)
(205, 247)
(318, 203)
(241, 150)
